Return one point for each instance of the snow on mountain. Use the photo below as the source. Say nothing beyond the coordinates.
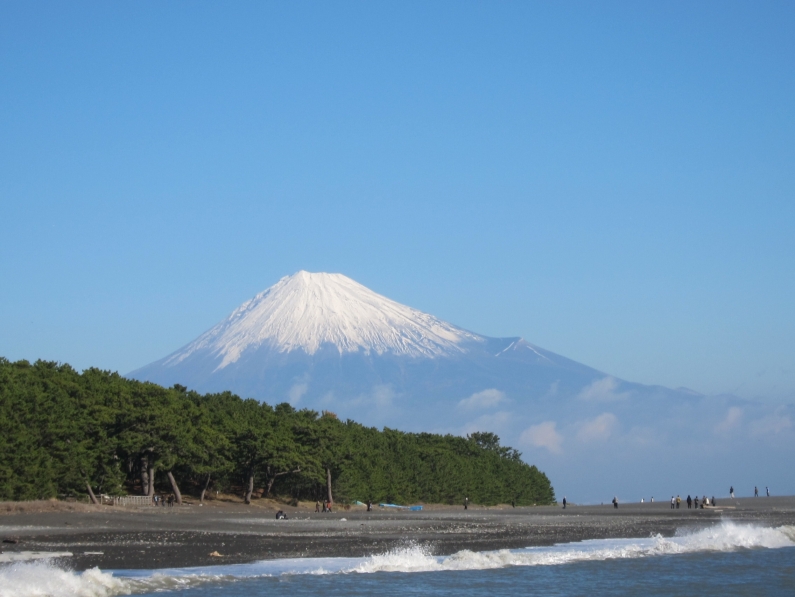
(307, 310)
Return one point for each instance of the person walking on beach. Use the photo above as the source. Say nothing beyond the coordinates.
(731, 491)
(466, 503)
(615, 502)
(756, 491)
(689, 501)
(678, 502)
(673, 502)
(695, 502)
(369, 505)
(564, 502)
(317, 506)
(767, 490)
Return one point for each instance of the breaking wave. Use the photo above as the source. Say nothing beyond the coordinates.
(44, 579)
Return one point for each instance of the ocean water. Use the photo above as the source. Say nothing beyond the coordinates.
(727, 559)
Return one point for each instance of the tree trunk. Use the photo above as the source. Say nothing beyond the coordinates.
(328, 485)
(144, 475)
(250, 490)
(91, 493)
(174, 487)
(206, 485)
(151, 491)
(272, 478)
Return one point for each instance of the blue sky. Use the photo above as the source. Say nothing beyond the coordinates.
(613, 181)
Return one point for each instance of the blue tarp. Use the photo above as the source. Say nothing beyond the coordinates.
(415, 508)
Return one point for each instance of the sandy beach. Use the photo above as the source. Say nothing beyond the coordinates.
(127, 538)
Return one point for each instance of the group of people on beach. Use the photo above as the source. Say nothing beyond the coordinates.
(693, 502)
(326, 506)
(159, 500)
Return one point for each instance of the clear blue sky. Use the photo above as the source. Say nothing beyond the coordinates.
(613, 181)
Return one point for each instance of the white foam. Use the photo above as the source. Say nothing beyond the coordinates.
(41, 579)
(725, 537)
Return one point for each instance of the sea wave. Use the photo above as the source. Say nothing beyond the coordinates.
(45, 579)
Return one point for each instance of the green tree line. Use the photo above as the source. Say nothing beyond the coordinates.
(64, 433)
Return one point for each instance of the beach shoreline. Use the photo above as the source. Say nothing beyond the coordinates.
(191, 535)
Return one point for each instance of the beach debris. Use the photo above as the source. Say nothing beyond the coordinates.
(10, 540)
(215, 554)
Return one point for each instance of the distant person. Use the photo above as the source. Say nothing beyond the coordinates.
(712, 501)
(689, 501)
(673, 502)
(652, 499)
(641, 500)
(615, 502)
(369, 505)
(731, 491)
(678, 502)
(564, 502)
(170, 501)
(767, 491)
(756, 491)
(466, 503)
(317, 506)
(695, 502)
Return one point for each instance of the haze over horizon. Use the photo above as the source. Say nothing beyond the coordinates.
(611, 182)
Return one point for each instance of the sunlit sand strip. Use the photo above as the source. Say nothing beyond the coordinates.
(24, 556)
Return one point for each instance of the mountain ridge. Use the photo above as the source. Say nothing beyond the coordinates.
(331, 334)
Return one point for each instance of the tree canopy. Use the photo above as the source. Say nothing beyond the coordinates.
(63, 433)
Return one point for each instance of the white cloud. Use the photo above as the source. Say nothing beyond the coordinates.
(383, 396)
(731, 421)
(495, 422)
(297, 392)
(602, 390)
(598, 429)
(771, 425)
(543, 435)
(485, 399)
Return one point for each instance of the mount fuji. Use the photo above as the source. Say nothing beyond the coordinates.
(323, 341)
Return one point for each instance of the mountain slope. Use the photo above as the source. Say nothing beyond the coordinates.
(307, 311)
(318, 335)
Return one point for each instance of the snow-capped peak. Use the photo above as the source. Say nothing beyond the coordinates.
(308, 310)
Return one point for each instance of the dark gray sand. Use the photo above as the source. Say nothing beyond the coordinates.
(124, 538)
